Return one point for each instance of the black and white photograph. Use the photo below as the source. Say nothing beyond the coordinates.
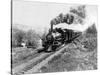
(49, 37)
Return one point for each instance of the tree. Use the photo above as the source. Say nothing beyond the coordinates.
(80, 13)
(17, 37)
(31, 38)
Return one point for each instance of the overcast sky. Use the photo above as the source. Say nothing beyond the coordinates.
(38, 15)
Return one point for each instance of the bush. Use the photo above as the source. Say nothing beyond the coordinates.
(92, 30)
(30, 38)
(17, 37)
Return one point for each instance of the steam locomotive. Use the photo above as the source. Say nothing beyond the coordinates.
(58, 36)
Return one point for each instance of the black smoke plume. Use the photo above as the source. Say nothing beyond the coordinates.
(76, 15)
(67, 18)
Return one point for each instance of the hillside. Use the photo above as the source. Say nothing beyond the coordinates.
(22, 27)
(82, 56)
(73, 57)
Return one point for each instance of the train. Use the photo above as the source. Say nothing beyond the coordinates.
(57, 37)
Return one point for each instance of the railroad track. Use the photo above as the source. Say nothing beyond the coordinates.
(34, 65)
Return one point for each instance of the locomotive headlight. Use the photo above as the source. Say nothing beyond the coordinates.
(56, 34)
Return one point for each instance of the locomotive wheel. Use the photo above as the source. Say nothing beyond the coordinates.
(51, 49)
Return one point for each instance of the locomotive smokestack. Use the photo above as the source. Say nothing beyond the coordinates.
(51, 28)
(67, 18)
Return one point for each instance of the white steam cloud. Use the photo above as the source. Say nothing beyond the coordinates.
(89, 18)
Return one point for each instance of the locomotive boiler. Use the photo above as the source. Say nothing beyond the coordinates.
(57, 37)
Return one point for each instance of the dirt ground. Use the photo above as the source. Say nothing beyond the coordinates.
(76, 57)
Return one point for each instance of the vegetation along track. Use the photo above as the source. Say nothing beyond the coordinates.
(25, 59)
(38, 66)
(28, 65)
(34, 65)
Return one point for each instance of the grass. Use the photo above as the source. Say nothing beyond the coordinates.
(75, 58)
(21, 55)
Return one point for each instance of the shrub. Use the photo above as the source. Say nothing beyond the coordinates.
(30, 38)
(17, 37)
(92, 30)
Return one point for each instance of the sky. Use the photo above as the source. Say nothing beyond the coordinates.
(39, 14)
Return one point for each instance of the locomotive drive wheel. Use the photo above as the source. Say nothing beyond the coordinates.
(49, 49)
